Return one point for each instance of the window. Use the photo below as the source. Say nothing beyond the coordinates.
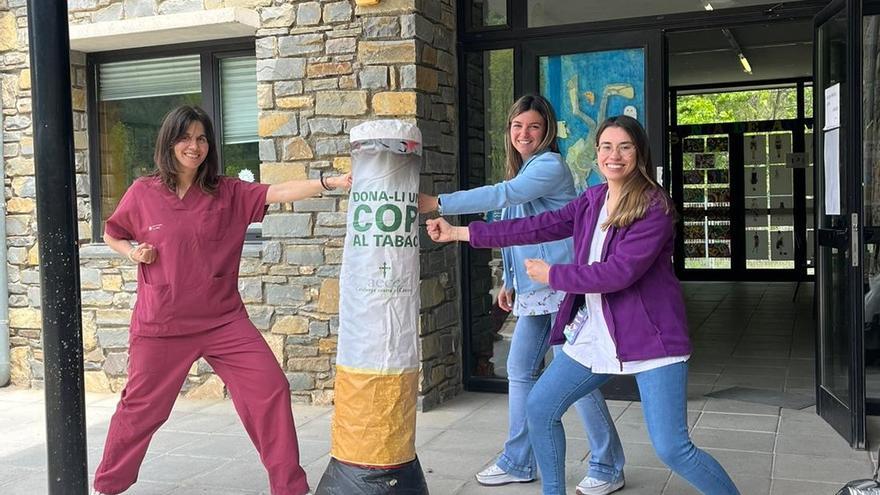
(558, 12)
(488, 13)
(132, 92)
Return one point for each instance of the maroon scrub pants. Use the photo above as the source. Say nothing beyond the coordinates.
(259, 390)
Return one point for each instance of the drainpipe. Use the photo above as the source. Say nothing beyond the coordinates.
(5, 369)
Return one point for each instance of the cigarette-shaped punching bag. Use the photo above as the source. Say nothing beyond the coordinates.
(377, 361)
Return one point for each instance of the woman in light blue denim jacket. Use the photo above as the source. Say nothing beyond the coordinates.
(538, 180)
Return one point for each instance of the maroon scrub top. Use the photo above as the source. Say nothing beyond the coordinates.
(192, 286)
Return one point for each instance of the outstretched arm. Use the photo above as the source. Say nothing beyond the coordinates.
(545, 175)
(439, 230)
(294, 190)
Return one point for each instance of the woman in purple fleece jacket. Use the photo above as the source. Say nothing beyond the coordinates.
(623, 312)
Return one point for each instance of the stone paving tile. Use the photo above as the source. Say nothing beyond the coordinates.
(747, 422)
(169, 468)
(425, 434)
(769, 382)
(747, 485)
(315, 470)
(733, 440)
(739, 407)
(737, 462)
(237, 476)
(792, 487)
(317, 428)
(451, 464)
(218, 446)
(30, 484)
(635, 432)
(645, 481)
(29, 457)
(640, 455)
(832, 446)
(820, 468)
(200, 423)
(310, 450)
(467, 440)
(440, 484)
(474, 488)
(10, 473)
(698, 378)
(144, 487)
(804, 422)
(167, 440)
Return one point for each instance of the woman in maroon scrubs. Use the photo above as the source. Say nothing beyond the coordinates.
(189, 224)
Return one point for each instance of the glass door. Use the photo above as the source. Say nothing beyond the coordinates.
(840, 394)
(871, 204)
(744, 200)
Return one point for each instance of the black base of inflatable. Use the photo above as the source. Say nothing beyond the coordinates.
(345, 479)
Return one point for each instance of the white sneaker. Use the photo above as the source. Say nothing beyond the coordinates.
(494, 476)
(96, 492)
(592, 486)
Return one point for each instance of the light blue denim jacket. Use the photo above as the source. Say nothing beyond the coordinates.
(544, 183)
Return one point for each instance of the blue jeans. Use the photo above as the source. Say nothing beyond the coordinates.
(664, 402)
(527, 350)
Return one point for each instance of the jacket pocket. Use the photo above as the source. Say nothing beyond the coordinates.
(648, 315)
(154, 304)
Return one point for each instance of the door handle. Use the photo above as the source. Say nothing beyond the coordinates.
(836, 238)
(855, 239)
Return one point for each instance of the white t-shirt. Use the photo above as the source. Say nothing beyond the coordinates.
(593, 346)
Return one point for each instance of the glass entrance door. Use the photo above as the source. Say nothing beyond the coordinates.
(840, 394)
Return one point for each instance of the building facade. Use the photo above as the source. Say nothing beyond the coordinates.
(284, 80)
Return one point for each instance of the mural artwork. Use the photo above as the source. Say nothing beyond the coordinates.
(585, 89)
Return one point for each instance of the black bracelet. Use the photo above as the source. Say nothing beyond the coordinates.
(323, 183)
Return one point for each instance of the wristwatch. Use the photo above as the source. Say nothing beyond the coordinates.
(439, 206)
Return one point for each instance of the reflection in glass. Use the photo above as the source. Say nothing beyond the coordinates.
(834, 338)
(769, 201)
(737, 106)
(238, 96)
(556, 12)
(706, 208)
(133, 98)
(871, 179)
(489, 95)
(486, 13)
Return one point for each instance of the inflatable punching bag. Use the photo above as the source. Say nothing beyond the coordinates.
(377, 361)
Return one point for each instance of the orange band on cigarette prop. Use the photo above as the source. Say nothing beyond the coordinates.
(374, 423)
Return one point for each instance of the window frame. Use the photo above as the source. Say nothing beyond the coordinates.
(210, 54)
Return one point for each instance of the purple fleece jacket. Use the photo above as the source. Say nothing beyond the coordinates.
(641, 297)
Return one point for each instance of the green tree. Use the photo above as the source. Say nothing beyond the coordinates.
(737, 106)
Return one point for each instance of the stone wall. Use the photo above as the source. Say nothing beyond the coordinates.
(322, 67)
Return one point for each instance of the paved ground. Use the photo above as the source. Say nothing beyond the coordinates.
(203, 449)
(745, 335)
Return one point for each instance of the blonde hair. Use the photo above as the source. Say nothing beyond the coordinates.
(641, 189)
(539, 104)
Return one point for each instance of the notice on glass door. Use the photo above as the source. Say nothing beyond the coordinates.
(832, 107)
(832, 172)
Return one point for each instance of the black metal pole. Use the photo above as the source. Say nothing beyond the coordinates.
(59, 255)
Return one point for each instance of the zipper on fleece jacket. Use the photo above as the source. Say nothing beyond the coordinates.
(611, 231)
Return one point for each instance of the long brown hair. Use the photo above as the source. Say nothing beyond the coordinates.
(641, 189)
(539, 104)
(173, 129)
